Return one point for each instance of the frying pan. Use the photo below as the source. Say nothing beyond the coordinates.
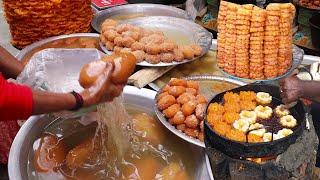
(236, 149)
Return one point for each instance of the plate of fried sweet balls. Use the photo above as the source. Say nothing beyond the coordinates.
(251, 117)
(156, 41)
(180, 106)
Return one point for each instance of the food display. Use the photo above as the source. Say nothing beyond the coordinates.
(33, 20)
(255, 43)
(312, 4)
(250, 117)
(146, 45)
(182, 104)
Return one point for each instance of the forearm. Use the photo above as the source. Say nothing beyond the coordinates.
(46, 102)
(310, 90)
(9, 65)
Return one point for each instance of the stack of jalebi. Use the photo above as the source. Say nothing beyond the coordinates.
(265, 51)
(222, 33)
(242, 41)
(271, 41)
(33, 20)
(258, 19)
(231, 36)
(285, 51)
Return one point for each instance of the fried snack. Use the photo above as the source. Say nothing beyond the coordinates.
(192, 132)
(201, 99)
(258, 132)
(214, 119)
(191, 121)
(200, 110)
(267, 137)
(236, 135)
(178, 118)
(222, 128)
(176, 91)
(177, 82)
(282, 111)
(264, 98)
(193, 84)
(248, 105)
(231, 97)
(247, 96)
(250, 116)
(263, 112)
(284, 132)
(230, 117)
(215, 108)
(189, 107)
(231, 107)
(252, 138)
(241, 125)
(192, 91)
(90, 72)
(288, 121)
(166, 101)
(171, 110)
(185, 97)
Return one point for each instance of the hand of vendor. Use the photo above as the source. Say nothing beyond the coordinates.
(293, 88)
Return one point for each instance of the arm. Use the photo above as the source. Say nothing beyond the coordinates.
(9, 65)
(294, 88)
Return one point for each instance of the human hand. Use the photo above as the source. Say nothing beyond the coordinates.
(292, 89)
(103, 89)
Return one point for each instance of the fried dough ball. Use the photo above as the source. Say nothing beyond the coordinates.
(284, 132)
(177, 82)
(132, 34)
(109, 22)
(200, 110)
(231, 97)
(139, 54)
(263, 112)
(178, 55)
(192, 121)
(168, 47)
(166, 101)
(247, 96)
(127, 41)
(191, 132)
(124, 27)
(109, 45)
(167, 57)
(125, 50)
(241, 125)
(102, 38)
(166, 88)
(230, 117)
(236, 135)
(118, 41)
(188, 52)
(171, 110)
(137, 46)
(146, 33)
(264, 98)
(117, 49)
(185, 97)
(214, 119)
(162, 95)
(288, 121)
(151, 48)
(111, 34)
(201, 99)
(248, 105)
(178, 118)
(90, 72)
(193, 84)
(215, 108)
(197, 50)
(181, 127)
(156, 39)
(231, 107)
(222, 128)
(176, 91)
(189, 107)
(282, 111)
(152, 59)
(192, 91)
(252, 138)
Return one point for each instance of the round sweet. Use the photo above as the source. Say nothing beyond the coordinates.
(264, 98)
(263, 112)
(267, 137)
(250, 116)
(259, 132)
(284, 132)
(241, 125)
(90, 72)
(288, 121)
(124, 66)
(282, 111)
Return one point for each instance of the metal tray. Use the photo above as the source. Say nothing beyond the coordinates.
(206, 92)
(296, 61)
(180, 30)
(137, 10)
(29, 49)
(33, 128)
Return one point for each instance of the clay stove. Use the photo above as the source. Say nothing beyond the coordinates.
(297, 162)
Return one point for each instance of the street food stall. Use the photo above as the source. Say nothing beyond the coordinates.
(194, 107)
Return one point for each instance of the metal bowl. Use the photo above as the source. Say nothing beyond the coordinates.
(137, 10)
(172, 128)
(40, 45)
(33, 128)
(174, 28)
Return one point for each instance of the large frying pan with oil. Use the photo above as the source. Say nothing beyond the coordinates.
(243, 149)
